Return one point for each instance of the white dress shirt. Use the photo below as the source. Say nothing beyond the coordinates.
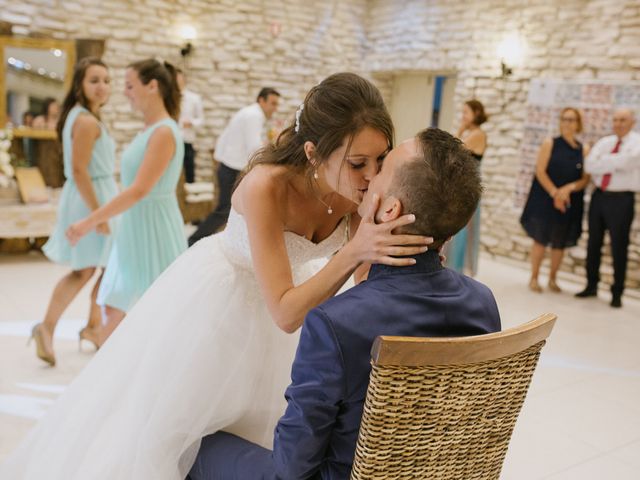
(623, 166)
(244, 134)
(190, 111)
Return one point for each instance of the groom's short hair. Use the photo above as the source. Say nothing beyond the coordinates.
(441, 186)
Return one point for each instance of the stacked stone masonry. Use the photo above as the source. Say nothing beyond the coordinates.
(292, 44)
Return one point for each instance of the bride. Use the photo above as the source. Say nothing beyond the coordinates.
(210, 345)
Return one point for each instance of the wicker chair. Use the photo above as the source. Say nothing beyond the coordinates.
(445, 408)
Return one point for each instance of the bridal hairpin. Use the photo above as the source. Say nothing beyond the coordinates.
(298, 114)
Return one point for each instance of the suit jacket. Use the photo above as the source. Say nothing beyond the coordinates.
(317, 435)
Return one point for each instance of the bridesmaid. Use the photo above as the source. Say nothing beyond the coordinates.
(462, 251)
(88, 153)
(150, 233)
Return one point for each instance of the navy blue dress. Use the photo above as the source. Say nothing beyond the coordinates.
(544, 223)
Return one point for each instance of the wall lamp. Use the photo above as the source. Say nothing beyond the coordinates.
(511, 52)
(187, 33)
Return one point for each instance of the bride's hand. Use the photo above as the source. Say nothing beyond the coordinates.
(76, 231)
(374, 243)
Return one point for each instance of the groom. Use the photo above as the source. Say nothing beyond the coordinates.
(434, 177)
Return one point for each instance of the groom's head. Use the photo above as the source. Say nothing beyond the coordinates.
(432, 176)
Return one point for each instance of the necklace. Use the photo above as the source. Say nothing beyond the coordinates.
(329, 209)
(315, 177)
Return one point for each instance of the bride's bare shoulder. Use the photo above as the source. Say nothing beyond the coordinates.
(263, 184)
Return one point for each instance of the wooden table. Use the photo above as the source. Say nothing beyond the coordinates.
(19, 223)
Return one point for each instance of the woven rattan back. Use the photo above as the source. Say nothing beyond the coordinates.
(445, 408)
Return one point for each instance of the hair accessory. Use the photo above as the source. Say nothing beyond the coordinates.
(298, 113)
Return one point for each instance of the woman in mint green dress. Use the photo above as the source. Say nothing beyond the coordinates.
(462, 250)
(89, 158)
(150, 234)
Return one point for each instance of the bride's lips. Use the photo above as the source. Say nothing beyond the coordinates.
(363, 192)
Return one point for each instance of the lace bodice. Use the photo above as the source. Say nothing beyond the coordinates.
(300, 249)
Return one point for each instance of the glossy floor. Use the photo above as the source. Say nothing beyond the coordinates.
(581, 419)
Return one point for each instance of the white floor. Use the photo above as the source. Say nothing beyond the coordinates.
(581, 419)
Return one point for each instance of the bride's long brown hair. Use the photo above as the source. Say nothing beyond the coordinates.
(337, 108)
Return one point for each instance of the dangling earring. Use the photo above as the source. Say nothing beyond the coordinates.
(315, 174)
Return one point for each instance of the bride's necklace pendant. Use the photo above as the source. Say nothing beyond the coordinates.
(329, 210)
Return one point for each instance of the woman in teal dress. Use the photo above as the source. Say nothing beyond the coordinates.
(462, 250)
(89, 158)
(150, 234)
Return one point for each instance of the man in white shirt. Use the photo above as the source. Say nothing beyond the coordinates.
(614, 165)
(191, 118)
(244, 134)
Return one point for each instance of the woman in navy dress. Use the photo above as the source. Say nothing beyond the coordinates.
(552, 216)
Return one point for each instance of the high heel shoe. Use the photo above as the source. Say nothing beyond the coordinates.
(89, 334)
(43, 351)
(553, 286)
(534, 286)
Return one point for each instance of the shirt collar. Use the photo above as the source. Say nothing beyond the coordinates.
(259, 109)
(427, 262)
(624, 139)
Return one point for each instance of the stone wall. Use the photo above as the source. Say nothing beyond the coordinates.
(240, 47)
(593, 39)
(292, 44)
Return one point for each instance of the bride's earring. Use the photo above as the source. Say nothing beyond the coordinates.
(315, 174)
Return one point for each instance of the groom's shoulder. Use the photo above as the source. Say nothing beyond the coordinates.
(354, 296)
(446, 290)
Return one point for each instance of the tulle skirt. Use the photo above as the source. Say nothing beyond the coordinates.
(197, 354)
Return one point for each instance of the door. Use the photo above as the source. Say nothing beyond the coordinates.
(411, 103)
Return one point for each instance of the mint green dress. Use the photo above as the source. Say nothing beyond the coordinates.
(150, 234)
(93, 249)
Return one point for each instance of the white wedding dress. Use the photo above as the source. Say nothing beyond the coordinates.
(198, 353)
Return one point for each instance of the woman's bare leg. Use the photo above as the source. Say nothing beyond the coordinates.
(556, 260)
(537, 255)
(63, 294)
(91, 332)
(113, 317)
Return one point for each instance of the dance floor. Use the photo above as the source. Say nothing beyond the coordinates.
(581, 419)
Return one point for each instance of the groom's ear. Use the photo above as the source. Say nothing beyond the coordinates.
(390, 209)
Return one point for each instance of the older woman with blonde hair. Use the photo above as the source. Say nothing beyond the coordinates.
(552, 216)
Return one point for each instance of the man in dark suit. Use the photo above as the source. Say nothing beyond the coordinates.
(436, 178)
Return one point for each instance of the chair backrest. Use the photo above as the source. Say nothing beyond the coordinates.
(445, 408)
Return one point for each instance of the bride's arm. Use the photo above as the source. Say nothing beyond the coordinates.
(264, 209)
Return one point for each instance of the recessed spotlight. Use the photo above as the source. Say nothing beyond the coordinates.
(42, 71)
(57, 52)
